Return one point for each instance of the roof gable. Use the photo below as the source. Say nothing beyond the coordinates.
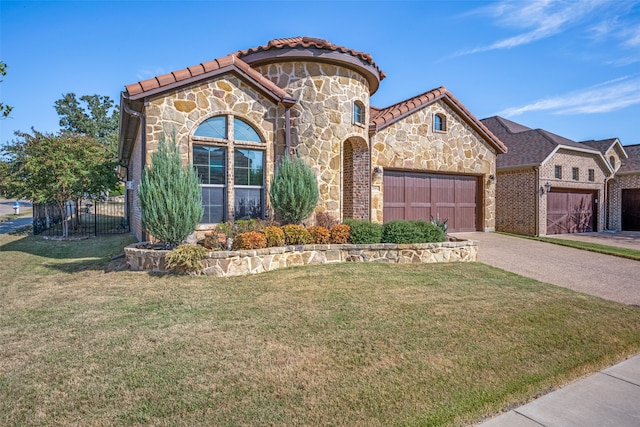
(532, 147)
(632, 164)
(606, 145)
(383, 117)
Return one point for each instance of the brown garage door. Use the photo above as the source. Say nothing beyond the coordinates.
(420, 196)
(571, 211)
(631, 209)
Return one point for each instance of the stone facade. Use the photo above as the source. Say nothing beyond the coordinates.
(299, 96)
(240, 263)
(412, 144)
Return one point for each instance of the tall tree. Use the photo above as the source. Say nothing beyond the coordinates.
(61, 168)
(92, 115)
(5, 110)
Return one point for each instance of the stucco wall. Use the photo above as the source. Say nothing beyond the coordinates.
(411, 144)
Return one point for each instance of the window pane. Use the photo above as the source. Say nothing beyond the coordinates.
(209, 163)
(242, 131)
(248, 167)
(215, 127)
(213, 203)
(248, 203)
(437, 123)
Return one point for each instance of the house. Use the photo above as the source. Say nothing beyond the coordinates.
(548, 184)
(623, 190)
(234, 118)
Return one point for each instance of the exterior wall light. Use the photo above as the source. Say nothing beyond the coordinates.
(545, 189)
(377, 171)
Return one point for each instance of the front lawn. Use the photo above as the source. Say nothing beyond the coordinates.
(341, 345)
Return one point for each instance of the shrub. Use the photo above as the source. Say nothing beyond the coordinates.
(319, 235)
(326, 220)
(294, 191)
(170, 199)
(340, 234)
(214, 242)
(296, 235)
(249, 240)
(401, 231)
(364, 232)
(186, 258)
(246, 225)
(431, 233)
(274, 236)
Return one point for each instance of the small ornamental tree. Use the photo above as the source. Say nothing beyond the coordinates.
(170, 198)
(294, 191)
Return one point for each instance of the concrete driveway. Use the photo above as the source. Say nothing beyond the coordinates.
(606, 276)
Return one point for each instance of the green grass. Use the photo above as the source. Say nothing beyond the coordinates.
(340, 345)
(587, 246)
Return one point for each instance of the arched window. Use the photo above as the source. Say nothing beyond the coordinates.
(211, 150)
(439, 123)
(358, 112)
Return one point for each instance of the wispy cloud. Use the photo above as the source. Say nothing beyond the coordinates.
(536, 20)
(605, 97)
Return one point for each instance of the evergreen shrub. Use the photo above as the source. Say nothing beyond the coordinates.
(170, 198)
(296, 235)
(400, 231)
(340, 234)
(274, 236)
(294, 191)
(431, 233)
(319, 235)
(364, 232)
(186, 258)
(249, 240)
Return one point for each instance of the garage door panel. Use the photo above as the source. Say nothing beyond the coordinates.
(425, 195)
(570, 211)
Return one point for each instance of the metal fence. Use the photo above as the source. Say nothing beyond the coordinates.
(83, 218)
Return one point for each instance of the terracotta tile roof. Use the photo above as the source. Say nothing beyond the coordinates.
(306, 42)
(528, 147)
(204, 70)
(382, 117)
(632, 164)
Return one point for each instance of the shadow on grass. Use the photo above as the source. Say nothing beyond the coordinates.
(70, 256)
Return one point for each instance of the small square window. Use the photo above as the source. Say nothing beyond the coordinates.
(576, 174)
(558, 172)
(592, 175)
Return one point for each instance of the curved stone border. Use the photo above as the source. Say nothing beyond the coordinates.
(239, 263)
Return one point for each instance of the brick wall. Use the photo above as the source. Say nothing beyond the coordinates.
(516, 195)
(616, 186)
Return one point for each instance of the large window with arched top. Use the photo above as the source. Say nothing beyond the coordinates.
(439, 122)
(228, 155)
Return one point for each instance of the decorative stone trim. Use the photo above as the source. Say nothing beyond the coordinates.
(240, 263)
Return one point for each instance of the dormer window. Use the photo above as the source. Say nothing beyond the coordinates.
(358, 113)
(439, 123)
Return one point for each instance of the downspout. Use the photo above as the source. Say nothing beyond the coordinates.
(287, 130)
(143, 146)
(538, 196)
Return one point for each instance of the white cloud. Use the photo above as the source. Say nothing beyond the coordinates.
(540, 19)
(605, 97)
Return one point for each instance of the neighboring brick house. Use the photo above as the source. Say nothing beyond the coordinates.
(235, 117)
(624, 191)
(547, 184)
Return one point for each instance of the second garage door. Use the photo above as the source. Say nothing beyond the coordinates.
(571, 211)
(631, 209)
(420, 196)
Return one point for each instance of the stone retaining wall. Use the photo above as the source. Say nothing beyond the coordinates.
(239, 263)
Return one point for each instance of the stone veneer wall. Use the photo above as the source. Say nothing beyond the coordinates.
(240, 263)
(411, 144)
(322, 120)
(516, 193)
(616, 185)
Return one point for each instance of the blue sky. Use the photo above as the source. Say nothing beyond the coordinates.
(570, 67)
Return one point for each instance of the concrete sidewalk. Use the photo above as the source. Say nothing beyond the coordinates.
(609, 398)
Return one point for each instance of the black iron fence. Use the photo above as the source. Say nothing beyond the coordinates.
(81, 218)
